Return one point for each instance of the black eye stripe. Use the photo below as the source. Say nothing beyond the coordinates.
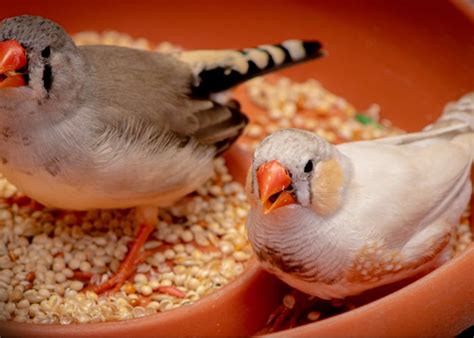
(308, 167)
(47, 77)
(46, 52)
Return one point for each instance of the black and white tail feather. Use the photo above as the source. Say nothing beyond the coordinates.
(218, 70)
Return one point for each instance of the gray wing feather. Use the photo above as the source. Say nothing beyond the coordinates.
(157, 89)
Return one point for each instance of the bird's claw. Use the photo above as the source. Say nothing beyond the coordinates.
(127, 268)
(288, 314)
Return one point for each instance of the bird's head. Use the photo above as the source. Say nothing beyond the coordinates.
(37, 58)
(296, 167)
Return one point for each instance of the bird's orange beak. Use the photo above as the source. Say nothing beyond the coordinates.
(12, 59)
(273, 180)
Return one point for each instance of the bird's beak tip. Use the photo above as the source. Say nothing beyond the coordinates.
(12, 58)
(273, 178)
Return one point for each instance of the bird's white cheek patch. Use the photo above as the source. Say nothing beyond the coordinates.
(326, 187)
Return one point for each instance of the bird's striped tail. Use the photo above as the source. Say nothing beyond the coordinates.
(219, 70)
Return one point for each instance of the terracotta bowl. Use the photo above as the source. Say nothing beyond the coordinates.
(396, 54)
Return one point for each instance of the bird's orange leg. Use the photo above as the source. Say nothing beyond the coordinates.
(146, 217)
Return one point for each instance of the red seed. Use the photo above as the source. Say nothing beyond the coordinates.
(82, 276)
(30, 277)
(134, 302)
(172, 291)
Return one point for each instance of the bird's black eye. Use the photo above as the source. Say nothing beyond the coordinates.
(46, 52)
(308, 167)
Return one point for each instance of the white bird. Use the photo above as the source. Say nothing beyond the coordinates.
(110, 127)
(333, 221)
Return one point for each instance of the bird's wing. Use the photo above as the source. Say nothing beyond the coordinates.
(157, 89)
(405, 187)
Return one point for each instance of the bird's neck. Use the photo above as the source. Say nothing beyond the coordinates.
(295, 234)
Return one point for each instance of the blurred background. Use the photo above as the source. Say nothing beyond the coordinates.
(410, 57)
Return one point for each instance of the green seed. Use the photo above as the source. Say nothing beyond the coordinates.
(364, 119)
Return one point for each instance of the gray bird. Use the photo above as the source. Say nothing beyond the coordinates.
(110, 127)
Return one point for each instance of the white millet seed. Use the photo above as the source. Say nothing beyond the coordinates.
(146, 290)
(3, 295)
(169, 254)
(85, 266)
(76, 285)
(140, 279)
(74, 264)
(187, 236)
(23, 304)
(44, 293)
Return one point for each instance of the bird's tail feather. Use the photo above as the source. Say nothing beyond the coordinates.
(455, 113)
(219, 70)
(460, 112)
(456, 119)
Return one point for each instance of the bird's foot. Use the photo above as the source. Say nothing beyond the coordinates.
(127, 268)
(289, 312)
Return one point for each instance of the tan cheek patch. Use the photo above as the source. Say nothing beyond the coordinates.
(326, 187)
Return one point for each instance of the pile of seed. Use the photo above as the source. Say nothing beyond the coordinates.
(114, 38)
(48, 257)
(462, 237)
(309, 106)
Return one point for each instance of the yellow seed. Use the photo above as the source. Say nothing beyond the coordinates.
(129, 288)
(16, 295)
(313, 315)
